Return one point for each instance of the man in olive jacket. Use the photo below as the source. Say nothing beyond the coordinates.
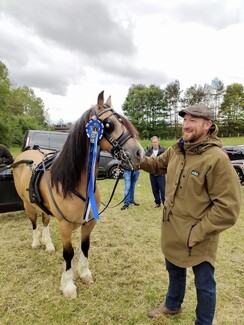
(203, 198)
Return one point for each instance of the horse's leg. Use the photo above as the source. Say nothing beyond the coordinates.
(32, 215)
(83, 264)
(68, 287)
(46, 238)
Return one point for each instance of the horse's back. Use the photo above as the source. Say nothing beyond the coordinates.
(22, 173)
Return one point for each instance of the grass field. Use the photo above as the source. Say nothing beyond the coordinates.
(127, 265)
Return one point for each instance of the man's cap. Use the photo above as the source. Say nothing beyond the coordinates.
(198, 110)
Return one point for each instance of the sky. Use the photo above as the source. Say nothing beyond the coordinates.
(68, 51)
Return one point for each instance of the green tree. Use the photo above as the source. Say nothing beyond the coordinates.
(217, 92)
(20, 110)
(24, 101)
(135, 103)
(5, 130)
(145, 107)
(194, 94)
(4, 86)
(172, 96)
(232, 108)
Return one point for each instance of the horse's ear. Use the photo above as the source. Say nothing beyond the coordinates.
(100, 101)
(108, 102)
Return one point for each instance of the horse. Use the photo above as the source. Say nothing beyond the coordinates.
(62, 187)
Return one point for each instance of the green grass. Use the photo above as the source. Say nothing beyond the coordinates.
(127, 265)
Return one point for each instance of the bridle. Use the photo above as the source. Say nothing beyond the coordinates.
(117, 144)
(96, 129)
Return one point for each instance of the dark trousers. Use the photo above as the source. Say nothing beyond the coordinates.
(205, 288)
(158, 188)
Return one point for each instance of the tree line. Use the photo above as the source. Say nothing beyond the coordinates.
(20, 110)
(154, 111)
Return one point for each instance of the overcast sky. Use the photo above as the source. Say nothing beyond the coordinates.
(68, 51)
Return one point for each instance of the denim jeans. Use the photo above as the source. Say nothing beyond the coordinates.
(130, 178)
(205, 288)
(158, 188)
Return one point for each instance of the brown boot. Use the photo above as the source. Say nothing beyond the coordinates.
(157, 205)
(163, 310)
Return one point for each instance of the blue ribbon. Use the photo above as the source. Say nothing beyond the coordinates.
(94, 130)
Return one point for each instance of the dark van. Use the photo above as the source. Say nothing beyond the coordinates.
(108, 166)
(44, 139)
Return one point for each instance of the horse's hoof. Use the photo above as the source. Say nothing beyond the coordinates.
(87, 280)
(70, 292)
(50, 249)
(35, 246)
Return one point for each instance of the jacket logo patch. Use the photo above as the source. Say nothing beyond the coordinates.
(194, 173)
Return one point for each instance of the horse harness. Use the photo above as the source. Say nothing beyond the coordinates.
(41, 168)
(117, 144)
(46, 163)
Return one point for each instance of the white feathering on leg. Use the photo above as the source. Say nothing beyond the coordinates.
(67, 285)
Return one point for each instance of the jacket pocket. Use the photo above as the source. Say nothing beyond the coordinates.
(188, 238)
(164, 214)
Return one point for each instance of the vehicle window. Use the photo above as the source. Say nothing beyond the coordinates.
(57, 140)
(41, 139)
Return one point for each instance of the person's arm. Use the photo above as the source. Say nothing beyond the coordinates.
(148, 152)
(156, 165)
(6, 158)
(225, 193)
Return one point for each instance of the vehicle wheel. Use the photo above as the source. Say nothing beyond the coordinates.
(240, 175)
(116, 171)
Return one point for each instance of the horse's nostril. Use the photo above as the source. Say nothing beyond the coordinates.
(138, 153)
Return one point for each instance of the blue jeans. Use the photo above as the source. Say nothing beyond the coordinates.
(130, 178)
(158, 188)
(205, 288)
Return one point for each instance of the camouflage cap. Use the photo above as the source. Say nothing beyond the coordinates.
(198, 110)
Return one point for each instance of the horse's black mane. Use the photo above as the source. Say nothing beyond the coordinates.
(71, 162)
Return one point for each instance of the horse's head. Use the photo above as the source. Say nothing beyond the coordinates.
(120, 137)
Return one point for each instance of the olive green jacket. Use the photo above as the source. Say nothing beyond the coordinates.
(203, 198)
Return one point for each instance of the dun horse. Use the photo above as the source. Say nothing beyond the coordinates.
(63, 184)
